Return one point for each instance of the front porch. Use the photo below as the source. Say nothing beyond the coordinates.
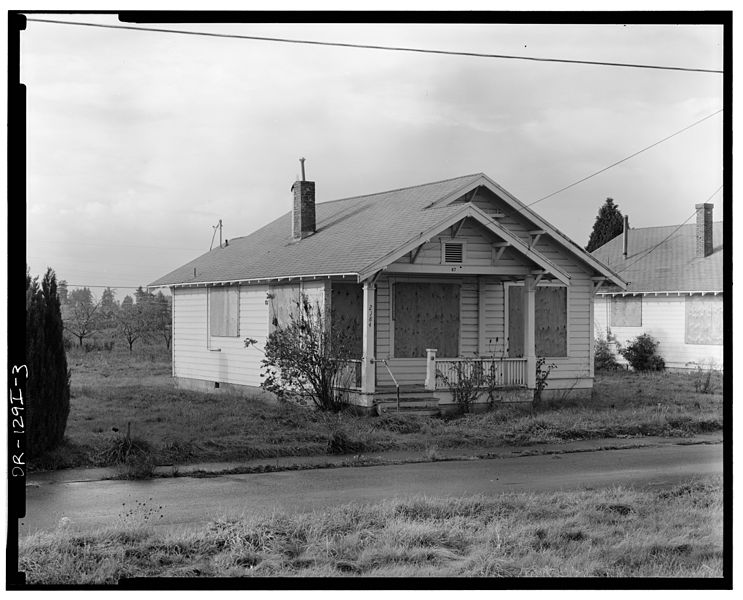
(381, 375)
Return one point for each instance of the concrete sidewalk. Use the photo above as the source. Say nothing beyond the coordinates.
(285, 463)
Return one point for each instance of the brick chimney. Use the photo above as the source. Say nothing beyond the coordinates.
(303, 212)
(704, 229)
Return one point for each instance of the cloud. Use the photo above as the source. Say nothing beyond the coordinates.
(141, 139)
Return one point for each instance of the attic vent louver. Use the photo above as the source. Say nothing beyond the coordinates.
(453, 252)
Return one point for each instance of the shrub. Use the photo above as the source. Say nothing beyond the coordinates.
(132, 455)
(703, 381)
(48, 383)
(603, 357)
(469, 378)
(641, 354)
(306, 360)
(543, 373)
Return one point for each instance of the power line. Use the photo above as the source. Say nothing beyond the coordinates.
(112, 245)
(619, 162)
(113, 287)
(379, 47)
(664, 240)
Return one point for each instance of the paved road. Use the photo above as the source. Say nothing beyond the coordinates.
(187, 501)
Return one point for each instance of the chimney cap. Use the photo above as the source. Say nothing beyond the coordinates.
(704, 205)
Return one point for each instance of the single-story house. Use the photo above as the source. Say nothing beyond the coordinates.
(674, 290)
(434, 272)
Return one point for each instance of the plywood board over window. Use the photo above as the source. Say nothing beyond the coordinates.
(223, 311)
(550, 320)
(283, 305)
(626, 311)
(704, 320)
(346, 314)
(426, 315)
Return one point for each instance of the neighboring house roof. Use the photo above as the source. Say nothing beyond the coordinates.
(671, 267)
(355, 234)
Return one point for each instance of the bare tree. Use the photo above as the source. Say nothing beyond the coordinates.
(80, 314)
(130, 321)
(162, 324)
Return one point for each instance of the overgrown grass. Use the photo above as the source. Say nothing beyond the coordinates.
(620, 532)
(110, 390)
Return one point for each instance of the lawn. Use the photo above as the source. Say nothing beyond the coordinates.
(619, 532)
(115, 390)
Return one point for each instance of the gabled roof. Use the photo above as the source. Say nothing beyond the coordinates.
(355, 234)
(672, 267)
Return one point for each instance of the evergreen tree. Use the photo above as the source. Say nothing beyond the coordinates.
(48, 387)
(609, 224)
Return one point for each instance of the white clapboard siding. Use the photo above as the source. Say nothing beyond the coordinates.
(218, 359)
(664, 318)
(495, 317)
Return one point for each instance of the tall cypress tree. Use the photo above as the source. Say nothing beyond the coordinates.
(609, 224)
(48, 387)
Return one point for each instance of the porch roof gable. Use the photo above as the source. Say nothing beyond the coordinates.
(475, 213)
(524, 209)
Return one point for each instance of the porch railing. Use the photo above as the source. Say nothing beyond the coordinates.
(349, 375)
(503, 372)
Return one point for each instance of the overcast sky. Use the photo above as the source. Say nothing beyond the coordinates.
(139, 142)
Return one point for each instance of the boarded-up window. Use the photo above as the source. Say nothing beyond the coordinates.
(550, 321)
(426, 316)
(626, 311)
(704, 320)
(223, 311)
(283, 303)
(346, 314)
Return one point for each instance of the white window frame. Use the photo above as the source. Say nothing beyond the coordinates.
(210, 335)
(506, 287)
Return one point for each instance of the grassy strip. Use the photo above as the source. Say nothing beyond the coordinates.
(619, 532)
(181, 426)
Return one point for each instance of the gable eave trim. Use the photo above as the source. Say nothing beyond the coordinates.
(467, 211)
(553, 232)
(253, 280)
(661, 293)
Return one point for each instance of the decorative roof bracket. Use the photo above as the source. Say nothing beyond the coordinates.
(535, 235)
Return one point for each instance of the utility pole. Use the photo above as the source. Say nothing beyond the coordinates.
(215, 227)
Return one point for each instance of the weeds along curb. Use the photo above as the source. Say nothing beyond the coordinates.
(380, 461)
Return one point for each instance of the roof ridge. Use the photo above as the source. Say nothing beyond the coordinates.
(665, 226)
(409, 187)
(400, 189)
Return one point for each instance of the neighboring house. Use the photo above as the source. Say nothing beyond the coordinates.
(674, 292)
(432, 273)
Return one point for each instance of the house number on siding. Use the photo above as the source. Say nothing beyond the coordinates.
(371, 315)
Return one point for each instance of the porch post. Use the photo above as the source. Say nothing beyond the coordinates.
(368, 370)
(529, 331)
(430, 383)
(482, 347)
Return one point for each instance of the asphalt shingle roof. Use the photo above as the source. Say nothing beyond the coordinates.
(372, 226)
(672, 266)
